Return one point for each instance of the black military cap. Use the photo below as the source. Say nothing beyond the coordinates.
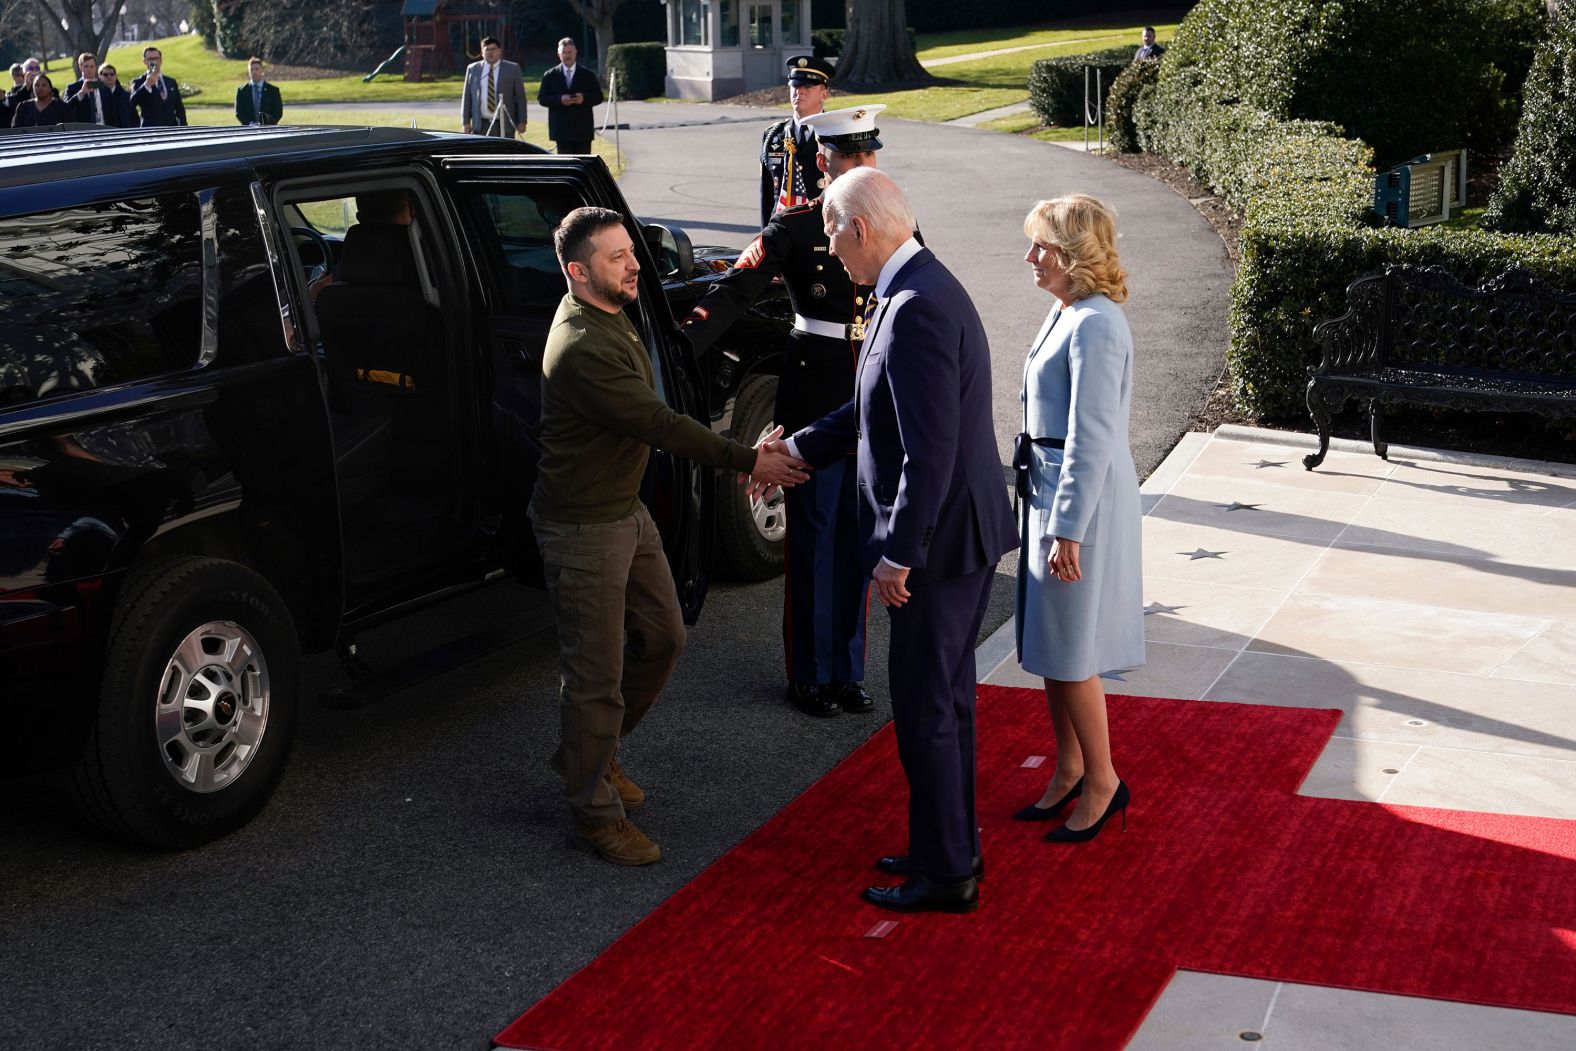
(808, 71)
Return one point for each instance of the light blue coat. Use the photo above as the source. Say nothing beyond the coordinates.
(1078, 385)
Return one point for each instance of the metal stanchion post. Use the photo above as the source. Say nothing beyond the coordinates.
(1099, 105)
(1086, 110)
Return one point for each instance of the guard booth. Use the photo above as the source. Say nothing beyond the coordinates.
(720, 48)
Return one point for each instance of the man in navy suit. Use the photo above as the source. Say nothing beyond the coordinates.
(569, 92)
(157, 97)
(933, 515)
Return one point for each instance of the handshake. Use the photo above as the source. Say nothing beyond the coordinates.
(775, 467)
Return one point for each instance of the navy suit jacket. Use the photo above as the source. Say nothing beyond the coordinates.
(156, 111)
(932, 494)
(570, 123)
(117, 105)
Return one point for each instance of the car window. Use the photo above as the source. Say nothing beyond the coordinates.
(517, 229)
(99, 295)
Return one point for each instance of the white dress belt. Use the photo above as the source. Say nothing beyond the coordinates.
(814, 327)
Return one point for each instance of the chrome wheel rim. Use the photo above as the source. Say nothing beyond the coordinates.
(771, 514)
(212, 706)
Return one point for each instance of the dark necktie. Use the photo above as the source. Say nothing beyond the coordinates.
(492, 89)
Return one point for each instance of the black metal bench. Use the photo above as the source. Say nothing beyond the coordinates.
(1416, 335)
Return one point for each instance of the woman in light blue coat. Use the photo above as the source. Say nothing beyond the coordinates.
(1080, 582)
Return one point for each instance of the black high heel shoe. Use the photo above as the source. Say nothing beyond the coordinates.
(1035, 812)
(1083, 835)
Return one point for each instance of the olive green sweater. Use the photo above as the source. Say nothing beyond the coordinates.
(601, 415)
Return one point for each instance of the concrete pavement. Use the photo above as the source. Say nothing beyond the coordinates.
(1429, 598)
(970, 190)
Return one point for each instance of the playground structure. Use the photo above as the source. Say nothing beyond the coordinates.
(435, 30)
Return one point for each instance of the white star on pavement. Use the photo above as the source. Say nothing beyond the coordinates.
(1235, 506)
(1156, 607)
(1269, 463)
(1199, 553)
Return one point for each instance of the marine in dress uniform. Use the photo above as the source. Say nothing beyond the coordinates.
(789, 176)
(825, 588)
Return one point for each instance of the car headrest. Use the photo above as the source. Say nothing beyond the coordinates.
(378, 254)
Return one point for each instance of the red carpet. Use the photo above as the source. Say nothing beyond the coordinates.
(1223, 868)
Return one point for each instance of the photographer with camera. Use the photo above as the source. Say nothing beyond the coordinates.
(94, 97)
(157, 97)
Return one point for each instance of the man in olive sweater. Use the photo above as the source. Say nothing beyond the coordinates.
(620, 631)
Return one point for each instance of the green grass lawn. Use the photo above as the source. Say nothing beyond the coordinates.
(217, 78)
(973, 87)
(963, 42)
(1019, 123)
(966, 88)
(536, 131)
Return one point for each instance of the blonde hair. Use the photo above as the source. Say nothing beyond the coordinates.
(1082, 231)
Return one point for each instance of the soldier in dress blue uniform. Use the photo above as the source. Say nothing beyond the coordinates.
(788, 171)
(825, 588)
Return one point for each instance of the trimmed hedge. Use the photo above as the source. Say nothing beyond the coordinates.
(1407, 78)
(1126, 89)
(1304, 192)
(642, 69)
(1056, 85)
(1537, 190)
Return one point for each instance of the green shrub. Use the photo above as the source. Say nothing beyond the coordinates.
(1537, 190)
(1407, 78)
(1305, 194)
(1056, 85)
(642, 69)
(1126, 89)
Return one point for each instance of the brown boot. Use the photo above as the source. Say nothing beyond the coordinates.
(621, 843)
(629, 793)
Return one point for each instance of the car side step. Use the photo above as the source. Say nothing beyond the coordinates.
(376, 685)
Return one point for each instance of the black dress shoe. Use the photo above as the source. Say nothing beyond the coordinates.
(853, 698)
(897, 865)
(1118, 805)
(1035, 812)
(921, 894)
(812, 699)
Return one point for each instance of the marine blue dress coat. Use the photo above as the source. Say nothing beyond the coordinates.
(1078, 385)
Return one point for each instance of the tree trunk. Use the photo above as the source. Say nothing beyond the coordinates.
(876, 48)
(598, 14)
(82, 34)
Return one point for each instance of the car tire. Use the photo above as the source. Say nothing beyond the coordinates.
(750, 532)
(198, 706)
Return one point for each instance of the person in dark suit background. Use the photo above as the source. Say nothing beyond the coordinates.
(91, 98)
(569, 92)
(45, 107)
(257, 101)
(1150, 50)
(157, 97)
(22, 74)
(120, 98)
(934, 517)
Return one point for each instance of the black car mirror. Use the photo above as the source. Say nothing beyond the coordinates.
(671, 247)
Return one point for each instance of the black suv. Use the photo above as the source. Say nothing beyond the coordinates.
(261, 389)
